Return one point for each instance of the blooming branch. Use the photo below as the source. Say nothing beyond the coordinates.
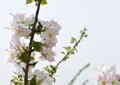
(23, 55)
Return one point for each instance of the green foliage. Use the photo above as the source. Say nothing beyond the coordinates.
(62, 52)
(33, 81)
(23, 55)
(71, 50)
(83, 33)
(40, 28)
(37, 46)
(17, 79)
(43, 2)
(29, 1)
(51, 69)
(19, 83)
(68, 51)
(67, 48)
(73, 40)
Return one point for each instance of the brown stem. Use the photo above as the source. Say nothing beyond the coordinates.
(30, 44)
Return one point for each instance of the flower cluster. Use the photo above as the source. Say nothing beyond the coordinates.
(108, 76)
(20, 27)
(47, 31)
(49, 38)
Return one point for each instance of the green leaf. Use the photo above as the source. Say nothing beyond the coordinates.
(33, 81)
(47, 68)
(67, 48)
(37, 46)
(54, 80)
(43, 2)
(52, 69)
(17, 79)
(29, 1)
(19, 83)
(23, 55)
(73, 40)
(39, 28)
(62, 52)
(72, 52)
(83, 33)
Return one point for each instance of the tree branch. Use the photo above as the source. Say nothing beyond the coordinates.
(30, 44)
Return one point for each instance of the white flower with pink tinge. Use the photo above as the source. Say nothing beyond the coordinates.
(47, 54)
(51, 42)
(18, 18)
(108, 76)
(49, 36)
(22, 30)
(29, 20)
(22, 18)
(15, 40)
(52, 30)
(42, 78)
(16, 47)
(21, 24)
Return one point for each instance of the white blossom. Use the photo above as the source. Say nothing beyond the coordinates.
(20, 24)
(47, 54)
(18, 18)
(42, 78)
(49, 36)
(15, 42)
(29, 20)
(54, 25)
(107, 76)
(51, 42)
(52, 31)
(16, 48)
(21, 27)
(22, 30)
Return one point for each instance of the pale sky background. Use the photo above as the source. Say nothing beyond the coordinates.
(102, 46)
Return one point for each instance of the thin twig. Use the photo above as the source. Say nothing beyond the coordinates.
(78, 73)
(69, 52)
(83, 34)
(85, 82)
